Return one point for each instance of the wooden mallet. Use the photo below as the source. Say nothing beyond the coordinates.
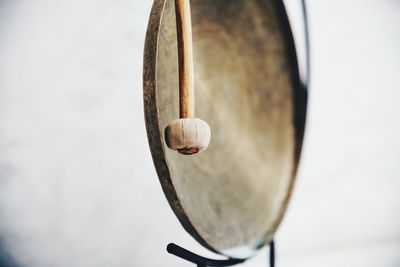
(187, 135)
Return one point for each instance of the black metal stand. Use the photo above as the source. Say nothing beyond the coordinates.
(206, 262)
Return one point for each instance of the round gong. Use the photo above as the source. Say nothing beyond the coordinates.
(231, 197)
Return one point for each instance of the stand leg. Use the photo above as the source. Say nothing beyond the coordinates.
(199, 260)
(272, 254)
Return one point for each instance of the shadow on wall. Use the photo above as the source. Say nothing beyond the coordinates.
(5, 258)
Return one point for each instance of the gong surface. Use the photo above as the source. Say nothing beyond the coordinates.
(232, 197)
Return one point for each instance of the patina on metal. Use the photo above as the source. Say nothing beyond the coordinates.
(232, 197)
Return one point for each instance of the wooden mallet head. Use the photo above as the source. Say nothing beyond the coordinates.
(187, 135)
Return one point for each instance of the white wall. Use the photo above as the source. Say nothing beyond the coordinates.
(77, 185)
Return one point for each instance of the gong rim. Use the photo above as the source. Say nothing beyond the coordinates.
(154, 131)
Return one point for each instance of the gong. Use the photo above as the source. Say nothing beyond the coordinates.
(232, 197)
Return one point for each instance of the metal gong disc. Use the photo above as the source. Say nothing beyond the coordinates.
(232, 197)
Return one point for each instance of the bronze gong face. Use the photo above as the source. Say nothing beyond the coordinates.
(231, 197)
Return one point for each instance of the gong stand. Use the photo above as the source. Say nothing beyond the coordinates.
(206, 262)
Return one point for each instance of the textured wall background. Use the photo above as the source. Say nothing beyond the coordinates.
(77, 185)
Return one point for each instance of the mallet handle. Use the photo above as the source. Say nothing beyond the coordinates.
(185, 58)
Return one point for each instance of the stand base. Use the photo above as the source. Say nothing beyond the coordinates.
(206, 262)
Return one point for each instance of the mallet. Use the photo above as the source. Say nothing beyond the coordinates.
(187, 135)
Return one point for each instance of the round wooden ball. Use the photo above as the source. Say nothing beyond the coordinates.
(188, 136)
